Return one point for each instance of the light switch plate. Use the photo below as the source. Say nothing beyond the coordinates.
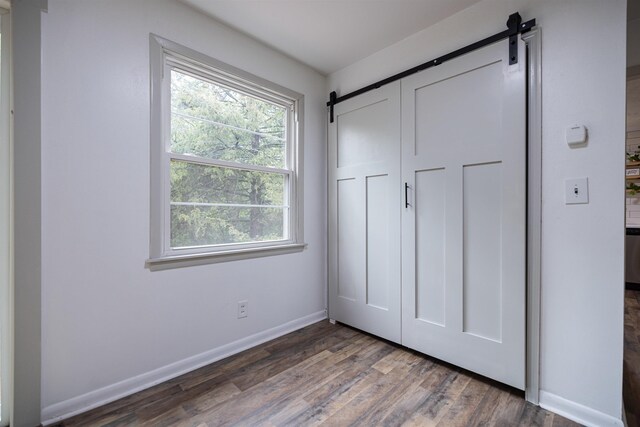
(576, 191)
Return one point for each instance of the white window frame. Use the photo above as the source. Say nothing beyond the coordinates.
(165, 56)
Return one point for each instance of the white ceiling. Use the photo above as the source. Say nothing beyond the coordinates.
(329, 34)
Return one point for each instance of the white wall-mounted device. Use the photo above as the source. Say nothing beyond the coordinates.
(576, 135)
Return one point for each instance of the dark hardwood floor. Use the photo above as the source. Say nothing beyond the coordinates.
(631, 375)
(324, 374)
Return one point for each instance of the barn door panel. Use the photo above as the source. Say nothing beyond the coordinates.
(463, 159)
(364, 213)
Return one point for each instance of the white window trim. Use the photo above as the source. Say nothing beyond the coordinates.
(165, 55)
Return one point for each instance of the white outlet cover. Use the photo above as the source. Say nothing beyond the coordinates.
(243, 309)
(576, 191)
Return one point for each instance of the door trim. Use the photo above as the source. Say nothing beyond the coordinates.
(27, 31)
(534, 214)
(6, 218)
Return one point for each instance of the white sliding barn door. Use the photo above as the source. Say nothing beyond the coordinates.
(463, 256)
(364, 212)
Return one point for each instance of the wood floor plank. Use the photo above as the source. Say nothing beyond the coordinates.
(282, 406)
(323, 374)
(559, 421)
(292, 409)
(283, 357)
(409, 399)
(372, 356)
(164, 419)
(443, 392)
(486, 408)
(509, 408)
(176, 399)
(122, 408)
(247, 404)
(341, 393)
(354, 368)
(208, 400)
(401, 378)
(112, 420)
(391, 361)
(534, 416)
(463, 408)
(375, 401)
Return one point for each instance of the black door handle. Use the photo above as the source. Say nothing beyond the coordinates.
(406, 195)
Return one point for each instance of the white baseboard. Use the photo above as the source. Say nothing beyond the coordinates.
(577, 412)
(79, 404)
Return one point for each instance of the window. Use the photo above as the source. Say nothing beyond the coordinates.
(225, 160)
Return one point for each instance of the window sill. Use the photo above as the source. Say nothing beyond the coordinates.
(179, 261)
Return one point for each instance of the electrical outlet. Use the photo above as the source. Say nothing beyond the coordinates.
(243, 309)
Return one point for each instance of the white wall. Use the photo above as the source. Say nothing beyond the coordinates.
(583, 74)
(105, 317)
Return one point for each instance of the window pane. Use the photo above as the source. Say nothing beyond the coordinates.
(216, 122)
(206, 225)
(213, 205)
(192, 182)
